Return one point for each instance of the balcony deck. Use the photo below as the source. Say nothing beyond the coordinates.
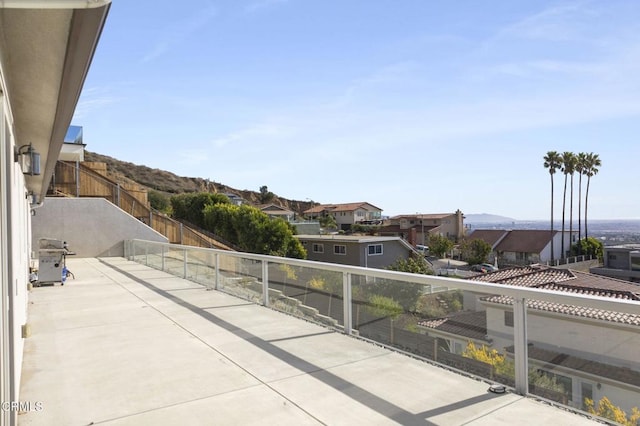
(126, 344)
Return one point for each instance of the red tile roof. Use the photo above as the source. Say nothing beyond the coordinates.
(567, 281)
(490, 236)
(526, 241)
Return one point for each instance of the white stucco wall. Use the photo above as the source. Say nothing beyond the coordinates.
(92, 227)
(15, 238)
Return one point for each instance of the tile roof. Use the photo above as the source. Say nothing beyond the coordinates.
(526, 241)
(424, 216)
(490, 236)
(472, 325)
(341, 207)
(568, 281)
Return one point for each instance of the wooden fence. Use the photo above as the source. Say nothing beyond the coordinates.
(76, 180)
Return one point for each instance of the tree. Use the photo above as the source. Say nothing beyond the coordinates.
(552, 161)
(505, 367)
(568, 167)
(475, 251)
(588, 246)
(415, 264)
(382, 306)
(608, 410)
(591, 169)
(253, 231)
(265, 195)
(159, 201)
(190, 207)
(581, 162)
(328, 221)
(439, 245)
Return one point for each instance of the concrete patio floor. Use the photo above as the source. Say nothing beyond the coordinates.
(124, 344)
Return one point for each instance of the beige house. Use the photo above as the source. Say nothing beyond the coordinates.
(347, 215)
(275, 211)
(416, 228)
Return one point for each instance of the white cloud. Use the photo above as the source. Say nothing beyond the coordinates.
(93, 99)
(179, 32)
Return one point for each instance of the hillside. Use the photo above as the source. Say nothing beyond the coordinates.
(170, 184)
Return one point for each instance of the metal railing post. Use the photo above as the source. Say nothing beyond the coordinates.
(185, 264)
(118, 195)
(163, 258)
(265, 283)
(346, 296)
(520, 348)
(217, 266)
(146, 255)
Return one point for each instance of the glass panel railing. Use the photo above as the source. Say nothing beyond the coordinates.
(241, 277)
(201, 267)
(583, 358)
(309, 292)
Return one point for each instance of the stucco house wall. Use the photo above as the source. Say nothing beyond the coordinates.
(356, 250)
(92, 227)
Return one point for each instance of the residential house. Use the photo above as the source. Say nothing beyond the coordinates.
(356, 250)
(416, 228)
(234, 198)
(565, 342)
(45, 52)
(275, 211)
(622, 262)
(524, 246)
(347, 215)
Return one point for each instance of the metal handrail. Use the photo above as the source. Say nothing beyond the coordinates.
(520, 295)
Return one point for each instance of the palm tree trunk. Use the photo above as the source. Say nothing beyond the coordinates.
(564, 208)
(571, 214)
(586, 204)
(579, 213)
(552, 257)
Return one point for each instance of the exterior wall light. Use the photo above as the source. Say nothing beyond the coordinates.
(29, 160)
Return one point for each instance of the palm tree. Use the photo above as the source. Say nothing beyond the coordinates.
(552, 161)
(581, 162)
(591, 169)
(572, 172)
(568, 166)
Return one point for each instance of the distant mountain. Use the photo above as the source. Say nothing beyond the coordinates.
(487, 218)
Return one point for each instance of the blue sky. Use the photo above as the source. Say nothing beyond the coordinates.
(411, 105)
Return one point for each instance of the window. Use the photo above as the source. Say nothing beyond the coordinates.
(508, 318)
(612, 257)
(318, 248)
(339, 249)
(375, 249)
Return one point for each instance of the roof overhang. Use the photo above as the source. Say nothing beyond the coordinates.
(46, 48)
